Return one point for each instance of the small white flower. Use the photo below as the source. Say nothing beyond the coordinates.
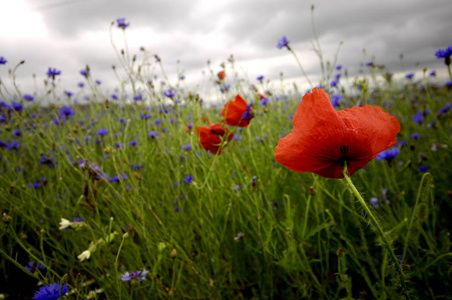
(64, 224)
(85, 255)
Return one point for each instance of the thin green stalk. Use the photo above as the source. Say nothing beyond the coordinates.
(379, 230)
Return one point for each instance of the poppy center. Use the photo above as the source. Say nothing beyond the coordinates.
(344, 158)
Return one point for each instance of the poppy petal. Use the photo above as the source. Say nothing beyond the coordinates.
(323, 139)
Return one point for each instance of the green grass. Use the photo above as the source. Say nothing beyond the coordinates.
(287, 236)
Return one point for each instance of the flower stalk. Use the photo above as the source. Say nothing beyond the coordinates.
(379, 230)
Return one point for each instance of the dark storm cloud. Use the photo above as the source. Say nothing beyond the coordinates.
(196, 31)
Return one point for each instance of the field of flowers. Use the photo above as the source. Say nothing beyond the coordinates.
(153, 192)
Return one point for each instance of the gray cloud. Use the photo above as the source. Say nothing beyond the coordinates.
(195, 31)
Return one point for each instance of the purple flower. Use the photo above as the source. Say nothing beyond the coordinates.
(133, 143)
(84, 72)
(31, 267)
(338, 67)
(2, 60)
(374, 202)
(98, 82)
(17, 106)
(409, 75)
(444, 53)
(283, 42)
(169, 93)
(402, 143)
(51, 292)
(81, 84)
(260, 78)
(51, 73)
(102, 132)
(153, 134)
(28, 97)
(388, 154)
(66, 111)
(336, 100)
(423, 168)
(186, 147)
(415, 135)
(68, 93)
(442, 111)
(17, 132)
(188, 179)
(333, 83)
(121, 23)
(419, 117)
(138, 275)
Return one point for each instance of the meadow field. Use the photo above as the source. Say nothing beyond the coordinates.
(154, 191)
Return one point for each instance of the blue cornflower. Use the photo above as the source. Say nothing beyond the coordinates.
(409, 75)
(263, 101)
(3, 118)
(188, 178)
(17, 132)
(415, 135)
(283, 42)
(169, 93)
(68, 93)
(45, 160)
(51, 292)
(423, 168)
(35, 185)
(84, 72)
(66, 111)
(28, 97)
(32, 266)
(336, 100)
(133, 143)
(186, 147)
(432, 73)
(114, 96)
(157, 122)
(2, 60)
(153, 134)
(121, 23)
(333, 83)
(17, 106)
(445, 53)
(388, 154)
(449, 83)
(102, 132)
(138, 97)
(442, 111)
(402, 143)
(260, 78)
(81, 84)
(338, 67)
(98, 82)
(374, 202)
(138, 275)
(51, 73)
(419, 117)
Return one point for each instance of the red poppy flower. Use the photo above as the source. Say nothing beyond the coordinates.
(221, 75)
(210, 137)
(323, 139)
(237, 112)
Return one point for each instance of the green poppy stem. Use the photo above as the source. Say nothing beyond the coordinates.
(380, 232)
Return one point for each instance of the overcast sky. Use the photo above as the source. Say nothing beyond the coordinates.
(69, 34)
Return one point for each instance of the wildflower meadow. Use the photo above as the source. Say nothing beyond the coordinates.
(251, 190)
